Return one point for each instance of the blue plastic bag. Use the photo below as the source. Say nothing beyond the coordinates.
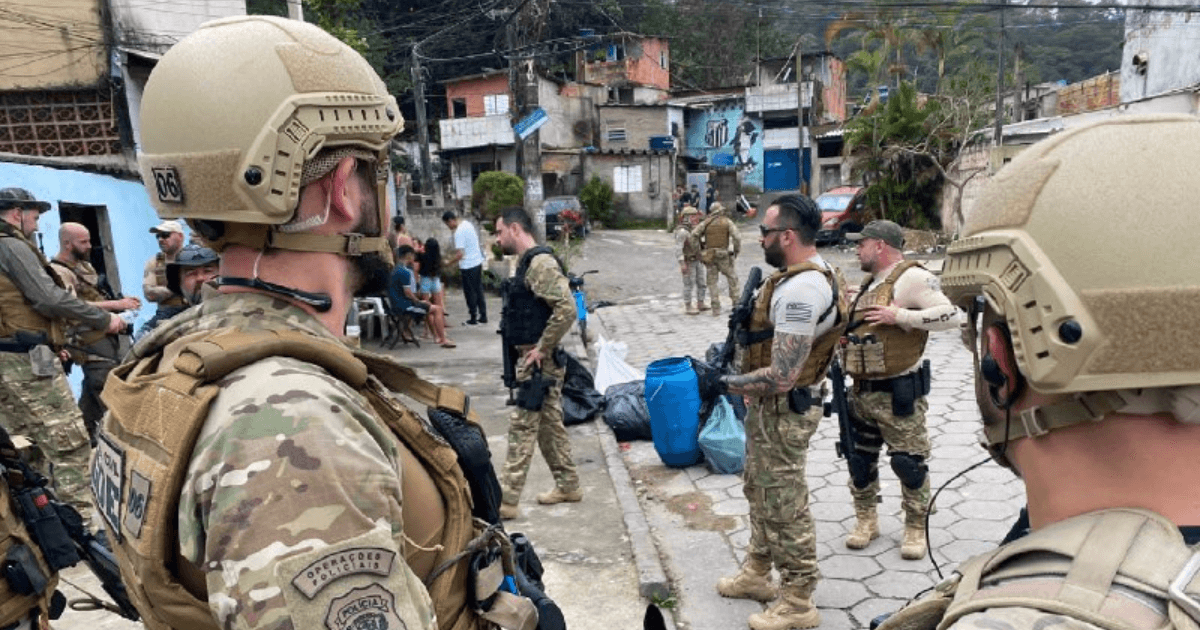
(723, 440)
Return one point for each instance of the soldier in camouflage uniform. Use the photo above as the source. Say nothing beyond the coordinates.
(539, 311)
(252, 471)
(99, 352)
(798, 317)
(719, 244)
(900, 303)
(1087, 380)
(35, 400)
(688, 255)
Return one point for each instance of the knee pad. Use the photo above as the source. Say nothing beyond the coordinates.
(864, 468)
(910, 469)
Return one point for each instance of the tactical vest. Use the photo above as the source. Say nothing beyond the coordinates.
(760, 332)
(525, 314)
(169, 591)
(84, 280)
(14, 606)
(691, 250)
(160, 279)
(1118, 569)
(716, 233)
(16, 313)
(881, 350)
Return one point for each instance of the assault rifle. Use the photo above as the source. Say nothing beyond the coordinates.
(509, 354)
(860, 469)
(59, 531)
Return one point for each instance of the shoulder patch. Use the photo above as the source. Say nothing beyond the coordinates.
(368, 608)
(167, 184)
(108, 481)
(359, 560)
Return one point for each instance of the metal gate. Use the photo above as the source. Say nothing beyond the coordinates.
(780, 171)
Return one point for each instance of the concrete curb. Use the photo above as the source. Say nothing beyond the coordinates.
(652, 579)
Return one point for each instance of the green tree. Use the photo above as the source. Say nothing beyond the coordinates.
(495, 190)
(597, 196)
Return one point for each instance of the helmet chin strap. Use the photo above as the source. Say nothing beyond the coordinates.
(320, 302)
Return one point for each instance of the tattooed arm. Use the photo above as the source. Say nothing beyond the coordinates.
(788, 354)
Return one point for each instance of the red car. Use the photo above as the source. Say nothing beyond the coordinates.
(843, 209)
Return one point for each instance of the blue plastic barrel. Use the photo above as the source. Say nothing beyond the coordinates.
(673, 399)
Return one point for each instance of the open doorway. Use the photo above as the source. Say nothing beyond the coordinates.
(95, 219)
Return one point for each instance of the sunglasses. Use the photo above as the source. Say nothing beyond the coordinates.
(162, 235)
(764, 230)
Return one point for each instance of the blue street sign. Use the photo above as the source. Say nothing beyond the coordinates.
(531, 123)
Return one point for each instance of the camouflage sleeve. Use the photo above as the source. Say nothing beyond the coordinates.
(681, 239)
(734, 237)
(547, 281)
(292, 507)
(150, 287)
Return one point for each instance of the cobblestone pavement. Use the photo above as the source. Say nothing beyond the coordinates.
(699, 519)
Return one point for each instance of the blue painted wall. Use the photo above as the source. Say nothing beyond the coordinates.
(129, 212)
(725, 136)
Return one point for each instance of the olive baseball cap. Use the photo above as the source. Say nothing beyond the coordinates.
(21, 198)
(885, 231)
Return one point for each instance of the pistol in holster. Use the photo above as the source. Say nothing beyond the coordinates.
(531, 393)
(800, 400)
(908, 388)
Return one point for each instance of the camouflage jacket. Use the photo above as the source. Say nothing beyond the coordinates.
(292, 479)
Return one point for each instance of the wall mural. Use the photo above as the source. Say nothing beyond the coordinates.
(727, 137)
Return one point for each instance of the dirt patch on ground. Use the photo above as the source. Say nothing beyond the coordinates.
(696, 510)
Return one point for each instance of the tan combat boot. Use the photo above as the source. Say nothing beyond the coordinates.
(753, 581)
(793, 610)
(913, 547)
(716, 309)
(865, 530)
(688, 309)
(701, 306)
(558, 495)
(509, 511)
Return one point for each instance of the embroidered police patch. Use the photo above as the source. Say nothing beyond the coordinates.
(108, 481)
(367, 608)
(139, 503)
(359, 560)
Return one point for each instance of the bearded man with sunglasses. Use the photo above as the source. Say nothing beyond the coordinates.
(797, 320)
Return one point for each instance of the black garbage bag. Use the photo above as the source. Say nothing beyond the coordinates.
(625, 411)
(581, 402)
(711, 356)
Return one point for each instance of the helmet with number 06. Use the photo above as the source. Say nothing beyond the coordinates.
(232, 114)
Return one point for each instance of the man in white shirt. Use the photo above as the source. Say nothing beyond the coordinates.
(470, 264)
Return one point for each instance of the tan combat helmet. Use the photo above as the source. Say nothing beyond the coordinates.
(1086, 244)
(233, 115)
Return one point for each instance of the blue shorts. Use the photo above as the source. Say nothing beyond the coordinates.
(430, 285)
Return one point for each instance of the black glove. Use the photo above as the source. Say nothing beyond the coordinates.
(709, 380)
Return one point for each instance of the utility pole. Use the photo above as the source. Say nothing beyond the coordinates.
(295, 10)
(524, 29)
(803, 102)
(418, 75)
(999, 133)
